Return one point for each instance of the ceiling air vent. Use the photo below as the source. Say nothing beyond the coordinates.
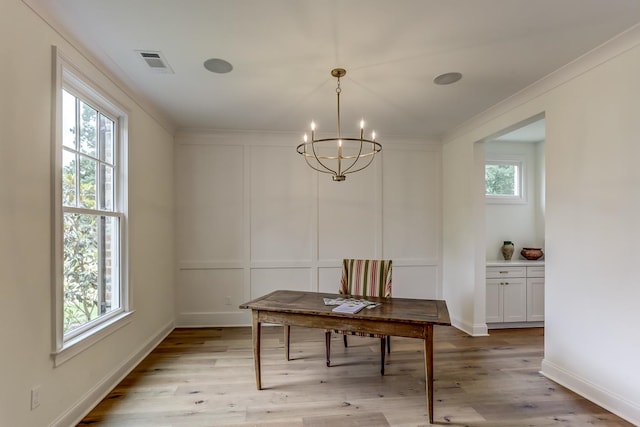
(155, 61)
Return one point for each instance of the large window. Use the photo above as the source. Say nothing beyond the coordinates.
(91, 283)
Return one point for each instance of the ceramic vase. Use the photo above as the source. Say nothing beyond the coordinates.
(507, 250)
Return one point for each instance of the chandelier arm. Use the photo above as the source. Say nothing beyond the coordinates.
(356, 159)
(321, 170)
(358, 170)
(306, 156)
(315, 155)
(371, 155)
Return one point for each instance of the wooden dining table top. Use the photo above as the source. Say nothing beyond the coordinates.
(402, 310)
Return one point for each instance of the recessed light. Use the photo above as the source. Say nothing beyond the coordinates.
(447, 78)
(217, 65)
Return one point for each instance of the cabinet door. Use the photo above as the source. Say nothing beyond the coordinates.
(494, 304)
(535, 300)
(515, 300)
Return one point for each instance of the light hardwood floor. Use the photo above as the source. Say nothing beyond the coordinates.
(205, 377)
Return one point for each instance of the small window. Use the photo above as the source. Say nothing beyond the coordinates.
(504, 182)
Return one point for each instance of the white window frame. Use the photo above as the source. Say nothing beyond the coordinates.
(521, 180)
(70, 78)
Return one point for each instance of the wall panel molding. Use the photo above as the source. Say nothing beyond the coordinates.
(296, 225)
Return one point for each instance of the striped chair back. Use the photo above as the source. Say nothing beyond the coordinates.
(366, 277)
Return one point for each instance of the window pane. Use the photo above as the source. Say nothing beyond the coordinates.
(68, 178)
(107, 128)
(91, 271)
(501, 180)
(88, 129)
(88, 183)
(80, 270)
(68, 119)
(106, 190)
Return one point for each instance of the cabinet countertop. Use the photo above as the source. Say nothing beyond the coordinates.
(515, 263)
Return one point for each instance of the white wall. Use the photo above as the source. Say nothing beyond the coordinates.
(253, 217)
(521, 223)
(26, 328)
(591, 220)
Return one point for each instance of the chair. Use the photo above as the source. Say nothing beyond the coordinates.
(364, 278)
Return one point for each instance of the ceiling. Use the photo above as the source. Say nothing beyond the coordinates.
(282, 52)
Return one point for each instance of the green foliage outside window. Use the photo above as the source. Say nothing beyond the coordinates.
(87, 236)
(500, 180)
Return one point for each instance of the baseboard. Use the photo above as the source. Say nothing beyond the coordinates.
(199, 320)
(74, 414)
(475, 330)
(612, 402)
(515, 325)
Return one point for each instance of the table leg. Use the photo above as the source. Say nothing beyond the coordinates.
(428, 365)
(256, 347)
(287, 340)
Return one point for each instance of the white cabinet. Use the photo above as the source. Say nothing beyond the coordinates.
(535, 294)
(515, 293)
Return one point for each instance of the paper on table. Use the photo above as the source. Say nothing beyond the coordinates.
(340, 300)
(349, 307)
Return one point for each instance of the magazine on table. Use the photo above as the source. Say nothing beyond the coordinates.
(349, 305)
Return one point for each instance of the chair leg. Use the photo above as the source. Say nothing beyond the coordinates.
(382, 346)
(327, 339)
(287, 340)
(344, 338)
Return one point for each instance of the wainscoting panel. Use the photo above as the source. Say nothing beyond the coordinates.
(265, 280)
(411, 190)
(349, 215)
(329, 279)
(282, 205)
(209, 200)
(210, 290)
(210, 297)
(415, 281)
(253, 218)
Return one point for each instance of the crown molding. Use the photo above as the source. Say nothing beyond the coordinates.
(607, 51)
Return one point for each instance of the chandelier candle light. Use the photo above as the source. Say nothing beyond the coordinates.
(339, 156)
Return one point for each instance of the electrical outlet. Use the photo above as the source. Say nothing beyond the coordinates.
(227, 301)
(35, 397)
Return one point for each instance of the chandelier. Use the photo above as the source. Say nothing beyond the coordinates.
(339, 156)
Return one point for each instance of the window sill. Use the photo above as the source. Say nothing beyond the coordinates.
(82, 342)
(505, 200)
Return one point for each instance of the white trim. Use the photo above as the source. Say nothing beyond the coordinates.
(515, 325)
(210, 265)
(75, 413)
(477, 330)
(76, 345)
(65, 74)
(612, 402)
(520, 163)
(589, 61)
(213, 319)
(119, 80)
